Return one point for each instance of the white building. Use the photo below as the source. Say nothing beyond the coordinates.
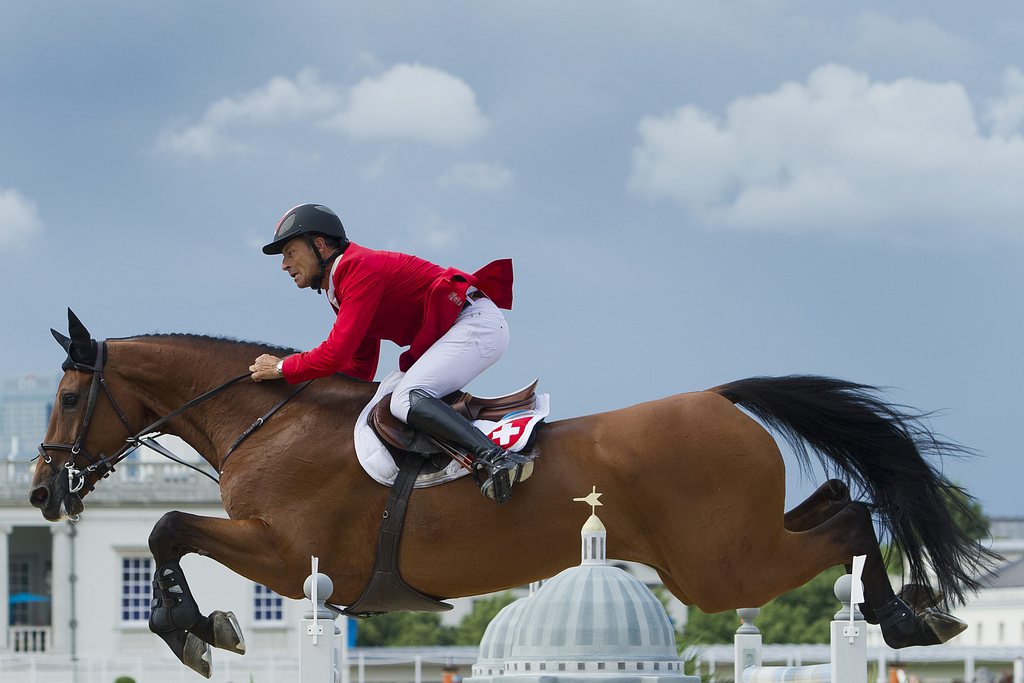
(25, 404)
(83, 589)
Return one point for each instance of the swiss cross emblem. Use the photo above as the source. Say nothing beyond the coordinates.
(507, 434)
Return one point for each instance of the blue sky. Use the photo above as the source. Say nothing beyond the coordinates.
(692, 192)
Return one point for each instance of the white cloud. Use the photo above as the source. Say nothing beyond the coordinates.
(19, 218)
(281, 100)
(436, 232)
(477, 175)
(842, 154)
(406, 102)
(1006, 113)
(413, 102)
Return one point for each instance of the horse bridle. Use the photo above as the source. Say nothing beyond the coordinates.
(102, 466)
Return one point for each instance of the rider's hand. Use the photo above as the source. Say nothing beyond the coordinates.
(265, 367)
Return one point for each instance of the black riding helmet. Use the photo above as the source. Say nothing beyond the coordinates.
(308, 220)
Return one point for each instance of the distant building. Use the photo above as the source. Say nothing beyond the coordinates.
(25, 404)
(592, 622)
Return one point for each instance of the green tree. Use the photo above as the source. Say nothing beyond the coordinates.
(471, 629)
(800, 616)
(403, 629)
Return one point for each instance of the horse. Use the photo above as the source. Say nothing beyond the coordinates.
(698, 487)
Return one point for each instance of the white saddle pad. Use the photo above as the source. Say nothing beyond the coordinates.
(512, 433)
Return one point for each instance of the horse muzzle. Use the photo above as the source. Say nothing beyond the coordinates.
(56, 504)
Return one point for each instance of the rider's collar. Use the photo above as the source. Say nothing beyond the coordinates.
(331, 294)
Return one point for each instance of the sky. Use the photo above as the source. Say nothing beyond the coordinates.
(692, 192)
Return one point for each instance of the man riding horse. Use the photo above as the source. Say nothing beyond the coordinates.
(449, 319)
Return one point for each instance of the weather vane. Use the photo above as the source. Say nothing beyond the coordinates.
(592, 499)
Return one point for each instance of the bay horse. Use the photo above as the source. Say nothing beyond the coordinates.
(694, 487)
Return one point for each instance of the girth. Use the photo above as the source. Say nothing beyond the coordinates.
(386, 591)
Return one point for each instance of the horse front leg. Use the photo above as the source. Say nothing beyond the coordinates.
(175, 616)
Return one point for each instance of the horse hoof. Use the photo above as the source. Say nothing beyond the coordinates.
(197, 656)
(944, 626)
(919, 597)
(227, 634)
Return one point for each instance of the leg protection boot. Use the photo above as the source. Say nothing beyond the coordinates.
(438, 419)
(174, 608)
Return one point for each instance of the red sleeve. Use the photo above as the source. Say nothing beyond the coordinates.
(346, 348)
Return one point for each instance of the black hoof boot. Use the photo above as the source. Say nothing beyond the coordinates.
(918, 598)
(902, 628)
(174, 607)
(175, 612)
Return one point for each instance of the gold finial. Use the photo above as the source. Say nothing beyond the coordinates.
(592, 499)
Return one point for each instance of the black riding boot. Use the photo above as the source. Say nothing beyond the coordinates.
(439, 419)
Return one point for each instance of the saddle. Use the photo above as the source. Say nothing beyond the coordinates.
(395, 433)
(386, 591)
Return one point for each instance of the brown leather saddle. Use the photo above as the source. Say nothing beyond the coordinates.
(386, 591)
(397, 435)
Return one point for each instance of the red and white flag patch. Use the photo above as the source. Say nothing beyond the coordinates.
(508, 432)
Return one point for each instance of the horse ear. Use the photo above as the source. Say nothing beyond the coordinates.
(64, 342)
(83, 348)
(79, 335)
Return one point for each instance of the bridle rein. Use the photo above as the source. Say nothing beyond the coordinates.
(103, 465)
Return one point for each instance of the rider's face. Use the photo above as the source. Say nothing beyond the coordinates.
(298, 260)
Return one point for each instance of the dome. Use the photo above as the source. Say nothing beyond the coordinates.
(590, 622)
(590, 615)
(497, 639)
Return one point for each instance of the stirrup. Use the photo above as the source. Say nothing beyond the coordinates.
(498, 458)
(498, 486)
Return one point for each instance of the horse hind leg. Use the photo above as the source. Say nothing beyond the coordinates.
(828, 500)
(851, 532)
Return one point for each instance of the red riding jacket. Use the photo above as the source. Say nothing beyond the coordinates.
(387, 295)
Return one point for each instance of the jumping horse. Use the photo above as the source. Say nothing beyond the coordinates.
(698, 489)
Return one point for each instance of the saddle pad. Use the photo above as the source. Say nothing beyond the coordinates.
(512, 433)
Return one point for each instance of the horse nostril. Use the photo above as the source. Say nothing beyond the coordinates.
(39, 496)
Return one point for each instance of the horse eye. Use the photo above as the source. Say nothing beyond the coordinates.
(69, 400)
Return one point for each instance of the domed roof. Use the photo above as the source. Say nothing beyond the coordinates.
(590, 621)
(497, 640)
(590, 611)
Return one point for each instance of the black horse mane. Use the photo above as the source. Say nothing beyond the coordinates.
(210, 340)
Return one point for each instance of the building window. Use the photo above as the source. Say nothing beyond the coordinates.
(267, 605)
(136, 587)
(20, 581)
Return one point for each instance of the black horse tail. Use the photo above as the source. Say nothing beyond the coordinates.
(884, 450)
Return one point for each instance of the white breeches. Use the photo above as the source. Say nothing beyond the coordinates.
(476, 340)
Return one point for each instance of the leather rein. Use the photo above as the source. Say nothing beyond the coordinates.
(102, 466)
